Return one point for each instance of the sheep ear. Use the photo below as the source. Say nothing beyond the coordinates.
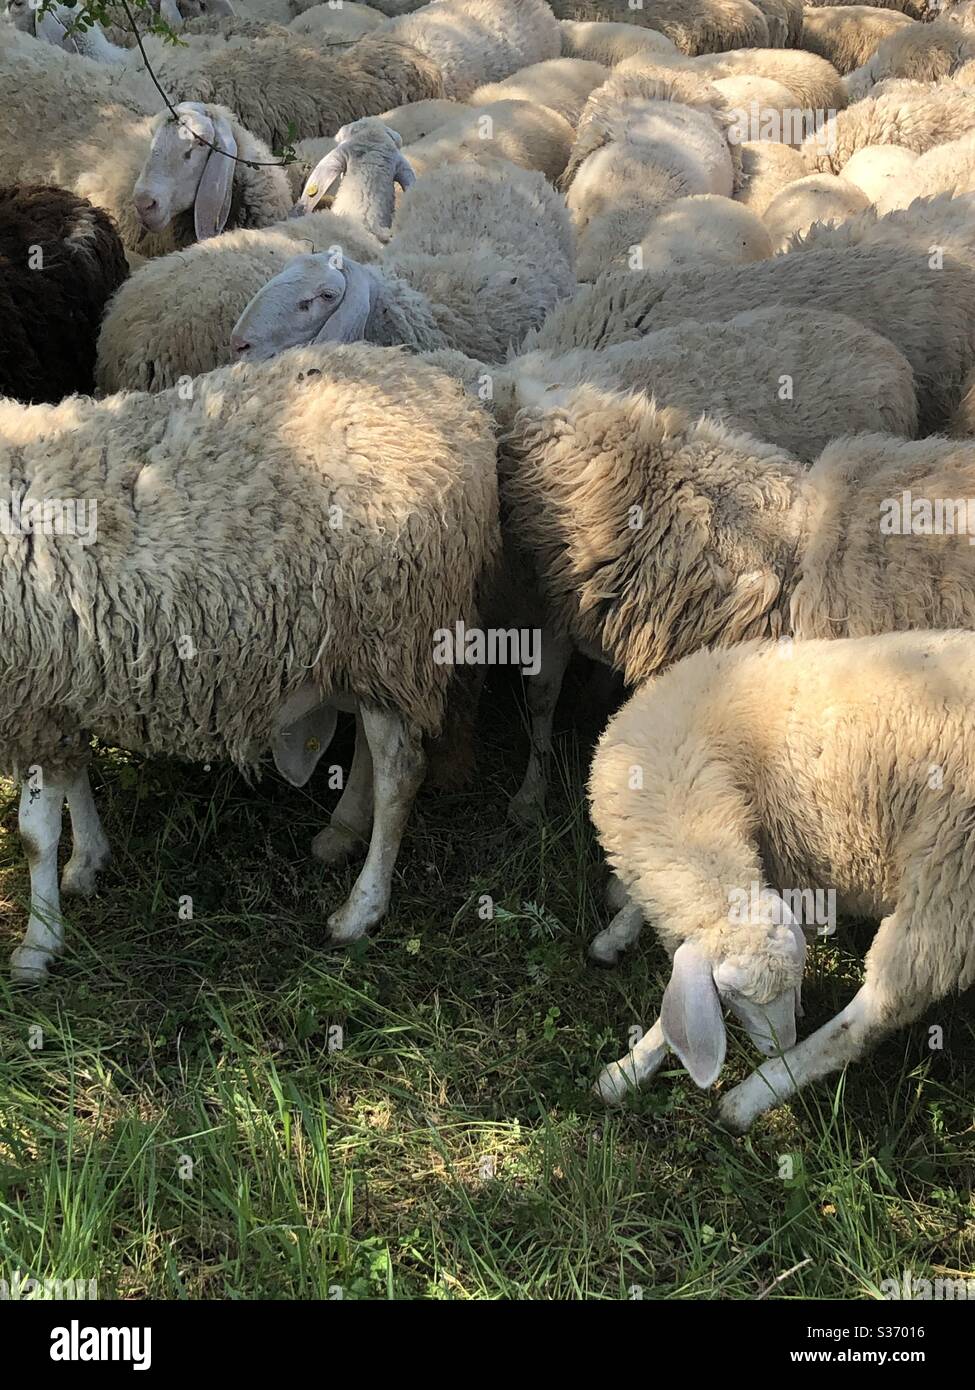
(395, 136)
(303, 730)
(348, 323)
(213, 197)
(691, 1015)
(320, 180)
(48, 26)
(404, 173)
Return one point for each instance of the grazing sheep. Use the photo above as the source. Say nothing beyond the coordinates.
(337, 28)
(914, 9)
(482, 251)
(821, 198)
(703, 230)
(885, 173)
(562, 84)
(947, 168)
(521, 132)
(66, 121)
(694, 26)
(848, 35)
(368, 161)
(766, 168)
(717, 843)
(478, 41)
(763, 108)
(174, 319)
(913, 114)
(417, 119)
(918, 53)
(929, 315)
(286, 543)
(60, 261)
(642, 142)
(611, 43)
(936, 227)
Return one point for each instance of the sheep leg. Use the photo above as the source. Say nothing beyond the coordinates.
(398, 767)
(635, 1069)
(623, 930)
(349, 824)
(843, 1039)
(40, 831)
(90, 850)
(528, 804)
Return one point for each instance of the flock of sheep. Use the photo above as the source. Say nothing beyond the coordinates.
(645, 329)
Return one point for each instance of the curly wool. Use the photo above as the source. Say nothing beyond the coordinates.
(60, 262)
(694, 26)
(919, 53)
(477, 41)
(928, 315)
(320, 515)
(848, 35)
(913, 114)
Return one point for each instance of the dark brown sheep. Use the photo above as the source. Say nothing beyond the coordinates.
(60, 261)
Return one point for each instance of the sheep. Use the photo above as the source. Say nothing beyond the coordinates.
(288, 542)
(533, 137)
(766, 168)
(817, 86)
(763, 107)
(369, 162)
(417, 119)
(642, 142)
(963, 421)
(694, 26)
(929, 315)
(60, 261)
(961, 12)
(478, 41)
(885, 173)
(781, 19)
(913, 114)
(919, 53)
(648, 531)
(914, 9)
(67, 122)
(947, 168)
(848, 35)
(820, 198)
(704, 229)
(609, 44)
(174, 319)
(562, 84)
(726, 856)
(337, 27)
(482, 250)
(940, 226)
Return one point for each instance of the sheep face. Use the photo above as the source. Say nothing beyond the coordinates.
(319, 298)
(190, 164)
(758, 979)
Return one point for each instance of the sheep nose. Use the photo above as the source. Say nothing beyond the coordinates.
(239, 345)
(144, 202)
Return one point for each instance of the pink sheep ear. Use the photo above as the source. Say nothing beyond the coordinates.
(213, 197)
(691, 1015)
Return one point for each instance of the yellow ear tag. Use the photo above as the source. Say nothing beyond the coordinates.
(312, 745)
(311, 190)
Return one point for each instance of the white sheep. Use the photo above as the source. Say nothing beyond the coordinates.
(947, 168)
(766, 168)
(285, 543)
(562, 84)
(825, 198)
(848, 35)
(337, 26)
(919, 53)
(611, 43)
(727, 857)
(885, 173)
(175, 317)
(694, 26)
(915, 115)
(478, 41)
(929, 315)
(482, 250)
(703, 229)
(532, 136)
(66, 122)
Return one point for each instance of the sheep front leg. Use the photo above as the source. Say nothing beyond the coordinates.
(40, 831)
(612, 941)
(543, 690)
(348, 829)
(843, 1039)
(90, 850)
(398, 767)
(635, 1069)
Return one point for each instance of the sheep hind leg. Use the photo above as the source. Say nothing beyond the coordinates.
(398, 767)
(527, 806)
(90, 850)
(347, 832)
(40, 831)
(623, 930)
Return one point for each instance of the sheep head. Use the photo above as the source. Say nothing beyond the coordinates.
(758, 978)
(323, 298)
(368, 159)
(191, 164)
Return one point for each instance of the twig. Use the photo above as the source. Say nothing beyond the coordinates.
(779, 1278)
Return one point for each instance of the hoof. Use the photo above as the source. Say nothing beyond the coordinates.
(613, 1085)
(79, 877)
(732, 1116)
(604, 953)
(28, 965)
(335, 845)
(526, 811)
(345, 926)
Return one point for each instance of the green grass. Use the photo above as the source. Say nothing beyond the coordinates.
(184, 1130)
